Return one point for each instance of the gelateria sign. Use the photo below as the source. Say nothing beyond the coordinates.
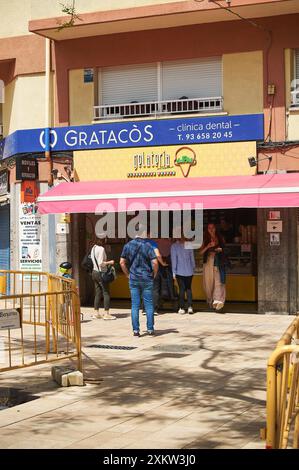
(176, 161)
(147, 133)
(151, 164)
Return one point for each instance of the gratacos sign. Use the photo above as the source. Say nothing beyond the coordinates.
(247, 127)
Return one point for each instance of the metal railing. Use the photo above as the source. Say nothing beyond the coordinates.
(49, 328)
(282, 427)
(155, 108)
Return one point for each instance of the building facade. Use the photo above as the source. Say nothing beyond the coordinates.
(107, 87)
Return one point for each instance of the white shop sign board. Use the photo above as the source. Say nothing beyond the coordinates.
(62, 228)
(274, 239)
(10, 319)
(274, 226)
(30, 239)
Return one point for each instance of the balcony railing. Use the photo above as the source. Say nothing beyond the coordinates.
(155, 108)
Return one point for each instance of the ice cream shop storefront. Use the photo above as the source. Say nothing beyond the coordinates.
(179, 164)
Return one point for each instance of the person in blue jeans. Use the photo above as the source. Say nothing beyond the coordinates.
(183, 267)
(157, 286)
(139, 263)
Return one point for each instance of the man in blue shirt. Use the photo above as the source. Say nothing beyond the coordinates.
(139, 263)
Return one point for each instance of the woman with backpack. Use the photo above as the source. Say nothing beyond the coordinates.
(100, 266)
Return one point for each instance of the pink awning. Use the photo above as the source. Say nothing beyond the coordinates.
(229, 192)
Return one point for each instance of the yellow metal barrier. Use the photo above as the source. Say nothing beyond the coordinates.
(50, 328)
(282, 429)
(2, 285)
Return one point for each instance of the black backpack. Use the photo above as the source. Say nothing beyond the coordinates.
(87, 263)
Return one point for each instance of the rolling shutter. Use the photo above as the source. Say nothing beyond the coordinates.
(200, 78)
(4, 238)
(120, 85)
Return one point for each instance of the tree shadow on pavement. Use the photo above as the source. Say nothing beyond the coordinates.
(218, 386)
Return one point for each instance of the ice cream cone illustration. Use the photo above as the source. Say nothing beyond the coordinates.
(185, 158)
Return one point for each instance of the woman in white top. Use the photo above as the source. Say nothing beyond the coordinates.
(99, 260)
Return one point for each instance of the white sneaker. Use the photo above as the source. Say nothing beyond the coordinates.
(181, 311)
(97, 316)
(219, 306)
(190, 310)
(107, 316)
(215, 303)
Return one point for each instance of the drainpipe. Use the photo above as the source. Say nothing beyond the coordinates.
(47, 109)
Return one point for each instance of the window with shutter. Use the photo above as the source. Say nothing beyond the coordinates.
(201, 78)
(166, 87)
(121, 85)
(295, 82)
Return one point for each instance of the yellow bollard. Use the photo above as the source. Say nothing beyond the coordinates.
(2, 285)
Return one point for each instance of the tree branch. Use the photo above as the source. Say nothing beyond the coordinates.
(69, 9)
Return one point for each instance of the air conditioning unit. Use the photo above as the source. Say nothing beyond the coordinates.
(295, 97)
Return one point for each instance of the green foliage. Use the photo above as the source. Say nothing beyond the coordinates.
(69, 9)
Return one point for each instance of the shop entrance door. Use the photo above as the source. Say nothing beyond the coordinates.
(238, 227)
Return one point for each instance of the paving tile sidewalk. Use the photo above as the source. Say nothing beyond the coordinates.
(199, 383)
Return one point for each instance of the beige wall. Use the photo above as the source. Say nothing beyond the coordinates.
(17, 13)
(293, 125)
(289, 72)
(24, 106)
(81, 98)
(292, 115)
(243, 82)
(47, 8)
(14, 15)
(7, 107)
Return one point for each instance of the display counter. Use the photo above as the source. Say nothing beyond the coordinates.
(239, 287)
(241, 279)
